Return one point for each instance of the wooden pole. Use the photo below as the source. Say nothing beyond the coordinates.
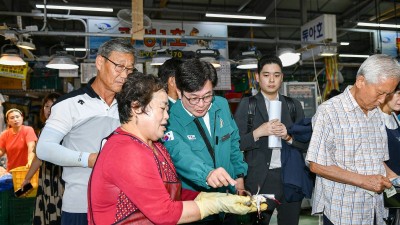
(137, 32)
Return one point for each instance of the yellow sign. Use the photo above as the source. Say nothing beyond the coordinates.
(18, 72)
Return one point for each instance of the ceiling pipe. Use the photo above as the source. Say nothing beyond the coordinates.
(86, 37)
(92, 34)
(63, 16)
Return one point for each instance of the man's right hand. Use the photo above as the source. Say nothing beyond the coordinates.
(376, 183)
(219, 177)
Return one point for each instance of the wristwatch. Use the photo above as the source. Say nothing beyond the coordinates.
(240, 175)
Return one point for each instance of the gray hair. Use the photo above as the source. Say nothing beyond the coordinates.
(380, 66)
(116, 45)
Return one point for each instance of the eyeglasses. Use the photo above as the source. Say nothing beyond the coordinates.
(195, 101)
(120, 68)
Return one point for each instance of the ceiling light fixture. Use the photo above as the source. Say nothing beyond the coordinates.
(247, 64)
(80, 8)
(353, 56)
(328, 51)
(10, 56)
(362, 24)
(11, 60)
(235, 16)
(62, 61)
(288, 56)
(343, 43)
(26, 45)
(248, 60)
(209, 55)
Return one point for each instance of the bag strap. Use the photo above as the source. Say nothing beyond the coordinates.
(204, 136)
(292, 108)
(251, 112)
(395, 119)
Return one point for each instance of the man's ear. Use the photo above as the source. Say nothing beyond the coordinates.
(171, 81)
(99, 62)
(179, 93)
(257, 77)
(360, 81)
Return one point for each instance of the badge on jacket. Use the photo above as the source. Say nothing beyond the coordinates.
(169, 136)
(191, 137)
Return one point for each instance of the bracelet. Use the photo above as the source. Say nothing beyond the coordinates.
(289, 138)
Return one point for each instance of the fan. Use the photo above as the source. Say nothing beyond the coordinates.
(125, 18)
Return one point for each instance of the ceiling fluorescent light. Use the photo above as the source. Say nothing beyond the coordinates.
(378, 25)
(353, 56)
(81, 8)
(235, 16)
(344, 43)
(76, 49)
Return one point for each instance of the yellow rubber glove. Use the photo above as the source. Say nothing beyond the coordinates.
(213, 203)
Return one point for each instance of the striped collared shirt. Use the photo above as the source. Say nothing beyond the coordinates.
(344, 136)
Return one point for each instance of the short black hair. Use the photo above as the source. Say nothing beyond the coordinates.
(138, 89)
(168, 69)
(268, 59)
(193, 74)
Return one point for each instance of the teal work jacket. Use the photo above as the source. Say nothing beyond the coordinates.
(189, 151)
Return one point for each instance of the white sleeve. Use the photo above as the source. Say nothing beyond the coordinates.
(49, 149)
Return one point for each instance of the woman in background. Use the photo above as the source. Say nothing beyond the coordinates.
(51, 186)
(17, 141)
(389, 107)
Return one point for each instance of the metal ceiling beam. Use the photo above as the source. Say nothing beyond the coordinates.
(242, 6)
(353, 13)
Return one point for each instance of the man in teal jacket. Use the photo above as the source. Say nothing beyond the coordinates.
(219, 166)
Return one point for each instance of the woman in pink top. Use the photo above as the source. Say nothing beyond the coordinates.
(18, 141)
(134, 180)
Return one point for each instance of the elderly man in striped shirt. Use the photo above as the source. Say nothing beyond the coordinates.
(349, 146)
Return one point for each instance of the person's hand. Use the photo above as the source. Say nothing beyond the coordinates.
(240, 190)
(376, 183)
(24, 183)
(210, 204)
(279, 130)
(219, 177)
(203, 195)
(265, 129)
(92, 159)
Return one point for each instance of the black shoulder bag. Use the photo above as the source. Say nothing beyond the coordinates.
(204, 136)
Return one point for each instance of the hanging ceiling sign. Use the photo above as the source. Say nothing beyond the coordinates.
(18, 72)
(178, 47)
(321, 29)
